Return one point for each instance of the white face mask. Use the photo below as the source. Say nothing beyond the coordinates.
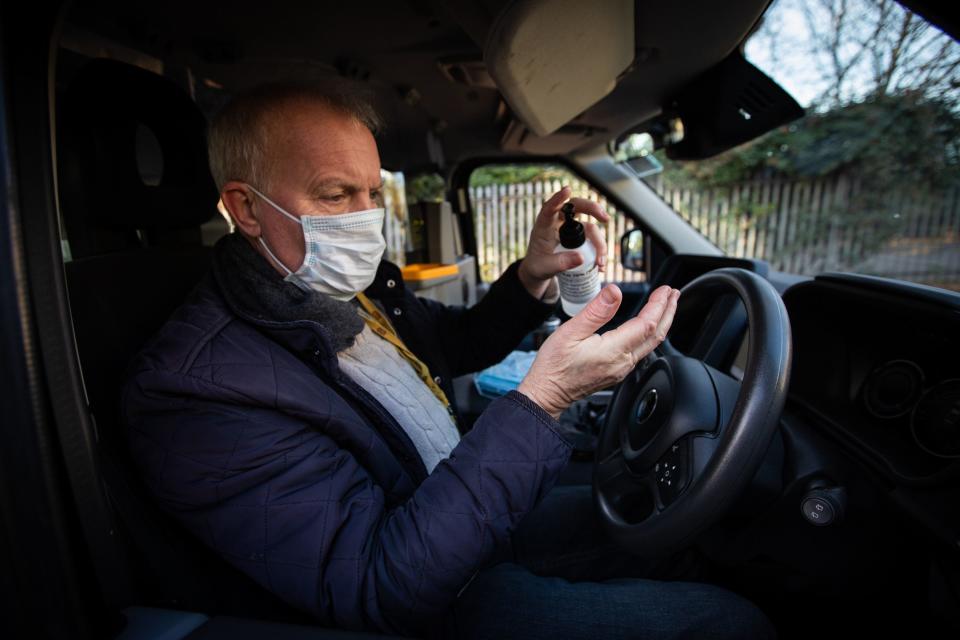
(342, 251)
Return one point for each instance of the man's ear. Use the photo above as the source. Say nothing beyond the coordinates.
(237, 199)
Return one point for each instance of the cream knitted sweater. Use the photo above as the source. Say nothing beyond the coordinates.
(378, 367)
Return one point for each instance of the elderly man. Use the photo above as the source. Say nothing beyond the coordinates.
(295, 413)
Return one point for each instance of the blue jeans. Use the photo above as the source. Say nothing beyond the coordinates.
(567, 580)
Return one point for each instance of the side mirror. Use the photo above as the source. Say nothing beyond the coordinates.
(632, 254)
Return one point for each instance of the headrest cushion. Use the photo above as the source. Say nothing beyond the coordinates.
(101, 113)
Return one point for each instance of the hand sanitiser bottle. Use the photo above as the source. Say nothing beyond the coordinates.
(581, 284)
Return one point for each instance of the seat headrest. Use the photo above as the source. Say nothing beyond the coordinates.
(99, 119)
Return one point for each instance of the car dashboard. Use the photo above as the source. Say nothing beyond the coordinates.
(876, 362)
(870, 431)
(873, 406)
(876, 366)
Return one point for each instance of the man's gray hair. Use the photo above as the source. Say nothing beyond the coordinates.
(237, 139)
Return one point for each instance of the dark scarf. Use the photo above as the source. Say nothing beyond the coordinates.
(255, 290)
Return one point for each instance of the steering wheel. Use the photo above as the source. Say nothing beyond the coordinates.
(681, 439)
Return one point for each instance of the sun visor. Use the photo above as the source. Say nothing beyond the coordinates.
(553, 59)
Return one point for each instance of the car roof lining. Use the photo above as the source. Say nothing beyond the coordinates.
(399, 55)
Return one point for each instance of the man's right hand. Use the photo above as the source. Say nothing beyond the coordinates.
(575, 361)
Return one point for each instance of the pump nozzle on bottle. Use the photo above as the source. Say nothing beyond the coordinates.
(571, 231)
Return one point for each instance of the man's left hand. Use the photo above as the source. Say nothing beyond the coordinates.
(541, 264)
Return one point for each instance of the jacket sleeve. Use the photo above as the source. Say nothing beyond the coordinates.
(483, 335)
(279, 499)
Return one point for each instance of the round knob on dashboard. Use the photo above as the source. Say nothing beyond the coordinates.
(824, 506)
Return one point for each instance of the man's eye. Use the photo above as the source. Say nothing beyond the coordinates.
(336, 198)
(376, 195)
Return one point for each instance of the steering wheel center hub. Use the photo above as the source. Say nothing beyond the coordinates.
(674, 397)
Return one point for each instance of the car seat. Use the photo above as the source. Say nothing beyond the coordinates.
(136, 253)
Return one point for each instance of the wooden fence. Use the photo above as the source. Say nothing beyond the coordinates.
(504, 215)
(829, 224)
(802, 227)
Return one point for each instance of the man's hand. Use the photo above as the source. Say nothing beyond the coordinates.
(575, 361)
(541, 264)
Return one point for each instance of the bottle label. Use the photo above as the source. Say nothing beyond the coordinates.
(579, 287)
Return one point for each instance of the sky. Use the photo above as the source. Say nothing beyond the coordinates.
(782, 47)
(801, 80)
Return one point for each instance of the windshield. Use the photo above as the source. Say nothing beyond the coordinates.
(868, 180)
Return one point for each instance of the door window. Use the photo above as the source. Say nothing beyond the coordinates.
(506, 199)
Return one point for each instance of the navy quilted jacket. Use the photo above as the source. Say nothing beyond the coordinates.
(247, 432)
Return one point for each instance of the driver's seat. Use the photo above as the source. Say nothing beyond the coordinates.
(136, 253)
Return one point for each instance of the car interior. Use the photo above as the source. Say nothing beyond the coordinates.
(110, 215)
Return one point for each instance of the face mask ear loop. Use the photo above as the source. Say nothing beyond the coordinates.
(275, 259)
(276, 206)
(263, 243)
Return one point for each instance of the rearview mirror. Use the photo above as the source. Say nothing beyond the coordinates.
(632, 250)
(636, 152)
